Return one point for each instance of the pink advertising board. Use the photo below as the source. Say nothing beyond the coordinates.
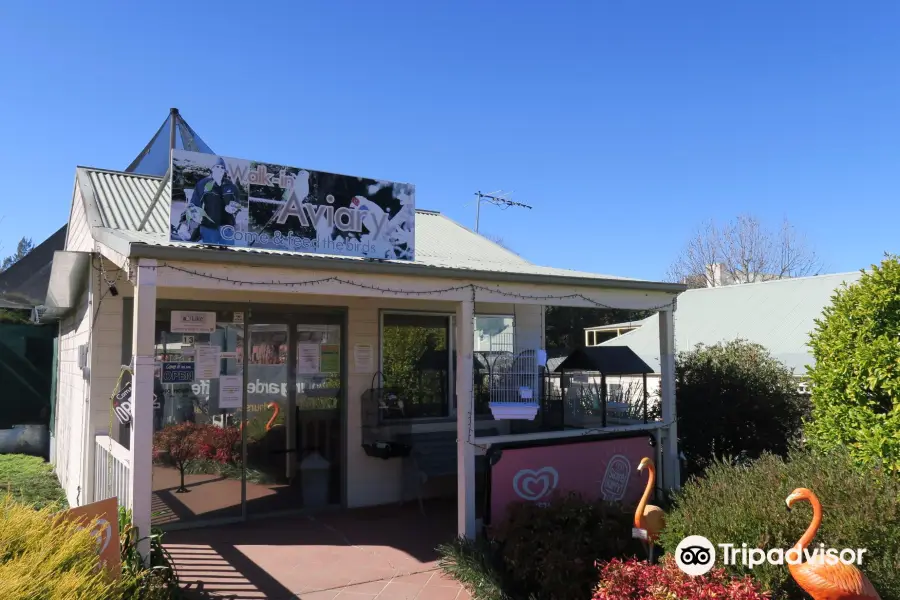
(601, 469)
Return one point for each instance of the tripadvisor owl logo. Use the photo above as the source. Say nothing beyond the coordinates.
(696, 555)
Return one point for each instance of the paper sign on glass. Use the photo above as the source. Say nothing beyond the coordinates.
(230, 391)
(308, 359)
(207, 362)
(331, 358)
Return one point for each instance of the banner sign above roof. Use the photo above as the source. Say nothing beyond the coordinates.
(219, 201)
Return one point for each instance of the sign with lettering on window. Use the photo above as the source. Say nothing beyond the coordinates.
(177, 372)
(192, 321)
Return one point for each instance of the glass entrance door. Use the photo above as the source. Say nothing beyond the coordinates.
(294, 411)
(319, 432)
(197, 470)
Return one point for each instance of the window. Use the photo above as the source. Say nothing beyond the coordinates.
(590, 338)
(494, 334)
(603, 336)
(416, 358)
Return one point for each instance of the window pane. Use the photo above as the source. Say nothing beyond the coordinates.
(494, 334)
(415, 360)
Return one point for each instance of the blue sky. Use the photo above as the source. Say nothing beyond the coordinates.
(625, 124)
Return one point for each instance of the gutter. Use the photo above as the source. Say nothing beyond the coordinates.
(251, 259)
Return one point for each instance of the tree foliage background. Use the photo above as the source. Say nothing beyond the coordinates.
(856, 377)
(22, 248)
(734, 400)
(404, 349)
(746, 251)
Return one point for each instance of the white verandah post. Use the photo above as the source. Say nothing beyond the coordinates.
(671, 467)
(143, 353)
(465, 419)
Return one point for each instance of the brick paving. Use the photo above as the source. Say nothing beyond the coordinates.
(382, 553)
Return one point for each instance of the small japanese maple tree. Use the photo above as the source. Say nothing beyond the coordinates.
(181, 443)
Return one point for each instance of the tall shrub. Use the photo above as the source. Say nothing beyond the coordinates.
(551, 551)
(856, 377)
(42, 556)
(734, 504)
(735, 400)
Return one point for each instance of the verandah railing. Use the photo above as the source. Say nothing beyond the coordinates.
(112, 470)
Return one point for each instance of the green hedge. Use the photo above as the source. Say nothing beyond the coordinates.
(746, 504)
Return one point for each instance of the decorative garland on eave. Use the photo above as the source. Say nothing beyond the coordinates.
(473, 287)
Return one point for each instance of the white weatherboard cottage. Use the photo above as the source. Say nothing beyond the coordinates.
(293, 341)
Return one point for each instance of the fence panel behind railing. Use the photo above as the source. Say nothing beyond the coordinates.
(112, 470)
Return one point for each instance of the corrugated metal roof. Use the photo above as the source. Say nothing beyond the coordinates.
(779, 315)
(120, 200)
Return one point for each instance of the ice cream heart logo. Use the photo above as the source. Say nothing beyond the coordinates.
(534, 485)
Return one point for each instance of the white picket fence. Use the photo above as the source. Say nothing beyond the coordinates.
(112, 470)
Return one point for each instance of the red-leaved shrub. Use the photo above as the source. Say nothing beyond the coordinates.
(220, 444)
(638, 580)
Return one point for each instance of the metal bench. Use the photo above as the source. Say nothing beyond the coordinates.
(433, 455)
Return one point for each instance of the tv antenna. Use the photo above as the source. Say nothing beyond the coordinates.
(498, 198)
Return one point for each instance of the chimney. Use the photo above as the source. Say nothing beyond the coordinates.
(715, 275)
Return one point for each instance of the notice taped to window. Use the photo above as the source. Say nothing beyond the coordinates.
(308, 359)
(230, 387)
(206, 362)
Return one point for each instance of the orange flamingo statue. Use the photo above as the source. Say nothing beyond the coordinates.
(272, 420)
(275, 412)
(647, 517)
(819, 579)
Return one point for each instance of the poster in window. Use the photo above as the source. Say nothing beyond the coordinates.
(230, 387)
(331, 358)
(207, 361)
(308, 359)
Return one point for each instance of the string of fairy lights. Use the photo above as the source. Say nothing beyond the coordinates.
(473, 288)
